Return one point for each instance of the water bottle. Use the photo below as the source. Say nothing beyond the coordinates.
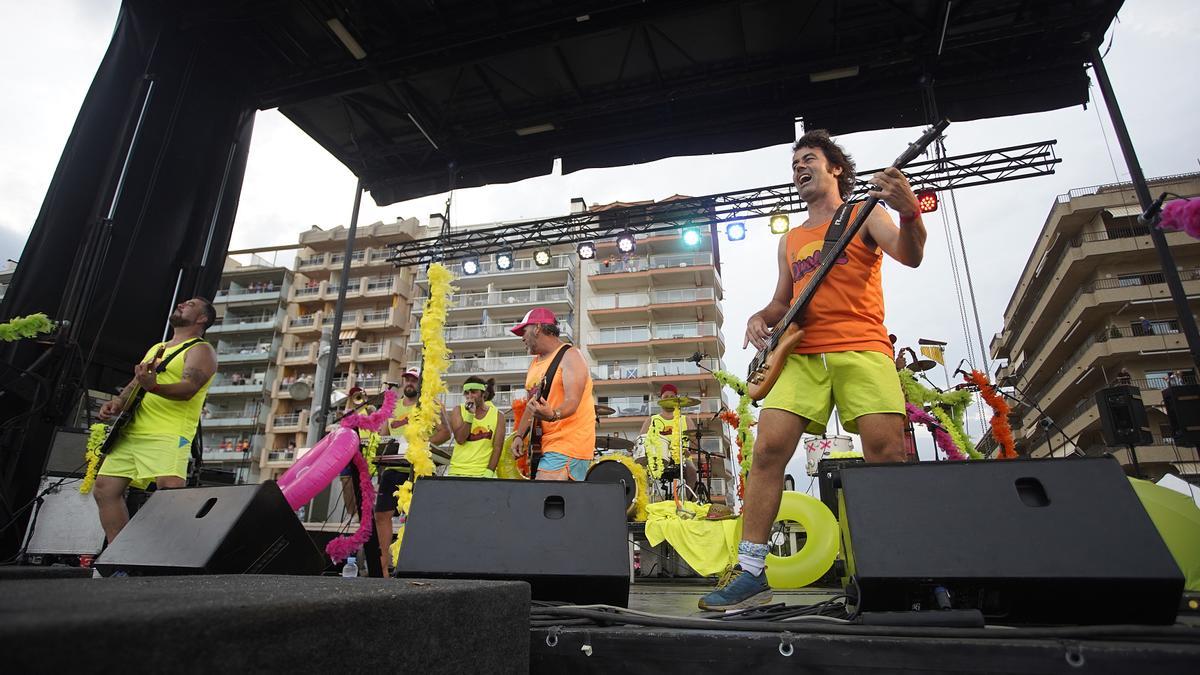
(350, 569)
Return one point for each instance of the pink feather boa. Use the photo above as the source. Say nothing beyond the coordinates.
(1181, 214)
(940, 437)
(374, 421)
(343, 547)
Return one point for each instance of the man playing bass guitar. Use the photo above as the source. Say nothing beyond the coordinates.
(844, 357)
(156, 445)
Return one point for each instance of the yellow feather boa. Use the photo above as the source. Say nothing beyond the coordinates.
(639, 478)
(95, 440)
(423, 420)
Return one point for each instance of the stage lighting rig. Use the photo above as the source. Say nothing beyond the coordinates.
(736, 231)
(927, 200)
(543, 256)
(691, 237)
(504, 260)
(470, 265)
(586, 250)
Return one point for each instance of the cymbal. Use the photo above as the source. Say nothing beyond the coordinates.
(673, 402)
(604, 411)
(613, 443)
(921, 365)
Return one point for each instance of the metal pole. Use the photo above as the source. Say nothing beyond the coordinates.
(1187, 321)
(326, 390)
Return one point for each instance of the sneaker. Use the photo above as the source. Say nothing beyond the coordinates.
(738, 589)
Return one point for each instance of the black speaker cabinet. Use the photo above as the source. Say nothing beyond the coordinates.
(245, 529)
(1122, 416)
(1183, 410)
(568, 540)
(1025, 541)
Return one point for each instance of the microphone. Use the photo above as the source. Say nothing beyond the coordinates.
(958, 369)
(391, 384)
(1150, 215)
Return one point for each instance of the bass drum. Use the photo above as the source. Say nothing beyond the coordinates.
(612, 470)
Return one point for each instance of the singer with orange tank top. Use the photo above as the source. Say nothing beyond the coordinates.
(564, 410)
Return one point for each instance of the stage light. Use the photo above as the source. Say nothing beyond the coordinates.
(471, 266)
(927, 200)
(736, 231)
(691, 237)
(504, 260)
(626, 243)
(542, 257)
(586, 250)
(780, 223)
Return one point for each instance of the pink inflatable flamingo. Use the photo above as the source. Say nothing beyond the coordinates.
(319, 466)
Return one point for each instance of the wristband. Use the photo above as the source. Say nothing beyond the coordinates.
(905, 220)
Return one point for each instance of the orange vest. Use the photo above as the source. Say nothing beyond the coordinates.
(846, 313)
(573, 436)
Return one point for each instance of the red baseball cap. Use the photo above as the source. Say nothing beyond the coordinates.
(539, 315)
(668, 389)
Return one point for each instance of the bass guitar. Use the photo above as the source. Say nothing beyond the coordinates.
(123, 418)
(768, 362)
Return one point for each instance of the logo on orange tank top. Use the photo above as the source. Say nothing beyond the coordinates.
(808, 259)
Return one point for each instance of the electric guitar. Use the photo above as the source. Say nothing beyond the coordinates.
(768, 362)
(123, 418)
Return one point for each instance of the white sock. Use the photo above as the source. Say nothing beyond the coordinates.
(752, 563)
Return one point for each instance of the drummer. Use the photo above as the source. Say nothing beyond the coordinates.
(398, 473)
(478, 429)
(663, 424)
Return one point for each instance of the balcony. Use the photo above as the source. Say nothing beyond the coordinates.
(377, 318)
(371, 384)
(304, 323)
(637, 406)
(695, 269)
(306, 293)
(301, 354)
(227, 419)
(472, 306)
(288, 422)
(245, 296)
(312, 262)
(225, 386)
(382, 285)
(619, 335)
(222, 455)
(243, 354)
(671, 304)
(243, 324)
(622, 373)
(503, 400)
(487, 366)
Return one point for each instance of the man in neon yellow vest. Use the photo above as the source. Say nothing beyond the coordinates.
(392, 477)
(157, 444)
(478, 429)
(659, 430)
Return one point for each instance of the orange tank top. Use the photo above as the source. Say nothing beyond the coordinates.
(846, 313)
(573, 436)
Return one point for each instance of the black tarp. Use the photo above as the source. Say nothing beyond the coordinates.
(198, 121)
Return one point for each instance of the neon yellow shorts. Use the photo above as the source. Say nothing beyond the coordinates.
(142, 458)
(858, 383)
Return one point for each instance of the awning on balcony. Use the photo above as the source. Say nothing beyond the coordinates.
(348, 334)
(1124, 211)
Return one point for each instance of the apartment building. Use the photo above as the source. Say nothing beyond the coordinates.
(1091, 310)
(373, 333)
(247, 335)
(637, 318)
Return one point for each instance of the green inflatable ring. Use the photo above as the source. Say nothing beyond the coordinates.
(815, 559)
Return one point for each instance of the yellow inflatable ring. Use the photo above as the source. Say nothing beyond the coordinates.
(816, 557)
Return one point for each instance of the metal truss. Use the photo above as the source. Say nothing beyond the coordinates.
(981, 168)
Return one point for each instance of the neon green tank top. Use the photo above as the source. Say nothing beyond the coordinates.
(666, 427)
(158, 416)
(471, 458)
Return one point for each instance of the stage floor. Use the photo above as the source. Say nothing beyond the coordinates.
(678, 597)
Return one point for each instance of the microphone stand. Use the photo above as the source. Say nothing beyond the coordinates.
(1025, 398)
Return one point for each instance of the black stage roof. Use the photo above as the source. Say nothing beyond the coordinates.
(497, 90)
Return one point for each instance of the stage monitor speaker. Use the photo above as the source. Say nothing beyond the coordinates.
(245, 529)
(1122, 416)
(568, 540)
(1183, 411)
(1054, 541)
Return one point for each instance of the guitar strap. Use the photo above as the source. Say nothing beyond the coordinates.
(837, 226)
(535, 430)
(162, 365)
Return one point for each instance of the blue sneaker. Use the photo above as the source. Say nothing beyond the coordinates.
(738, 589)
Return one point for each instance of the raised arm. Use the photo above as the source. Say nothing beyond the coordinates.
(905, 243)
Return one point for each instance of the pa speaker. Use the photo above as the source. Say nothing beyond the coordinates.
(1123, 416)
(246, 529)
(568, 540)
(1024, 541)
(1183, 411)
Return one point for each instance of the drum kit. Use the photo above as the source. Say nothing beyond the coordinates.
(613, 452)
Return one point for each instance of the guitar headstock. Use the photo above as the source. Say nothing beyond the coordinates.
(917, 147)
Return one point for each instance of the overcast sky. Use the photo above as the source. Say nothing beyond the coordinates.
(49, 51)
